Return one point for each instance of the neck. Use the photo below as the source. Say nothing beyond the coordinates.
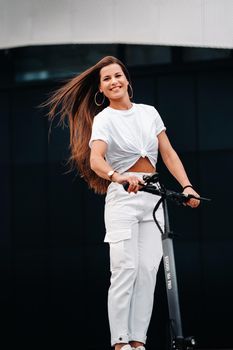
(127, 104)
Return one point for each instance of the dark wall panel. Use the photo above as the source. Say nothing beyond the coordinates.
(176, 104)
(53, 242)
(144, 89)
(5, 205)
(28, 127)
(215, 91)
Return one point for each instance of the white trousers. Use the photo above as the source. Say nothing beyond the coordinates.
(135, 254)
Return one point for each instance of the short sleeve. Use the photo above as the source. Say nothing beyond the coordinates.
(99, 131)
(158, 123)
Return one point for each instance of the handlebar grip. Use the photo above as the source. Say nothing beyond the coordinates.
(126, 186)
(189, 196)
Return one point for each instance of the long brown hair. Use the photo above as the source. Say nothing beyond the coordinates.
(75, 101)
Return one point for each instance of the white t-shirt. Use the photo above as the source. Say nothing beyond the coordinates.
(129, 134)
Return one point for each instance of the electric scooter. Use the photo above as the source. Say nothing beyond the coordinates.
(153, 186)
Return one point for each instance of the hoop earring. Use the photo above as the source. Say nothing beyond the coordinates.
(102, 102)
(130, 87)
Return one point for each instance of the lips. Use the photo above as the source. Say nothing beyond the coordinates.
(115, 87)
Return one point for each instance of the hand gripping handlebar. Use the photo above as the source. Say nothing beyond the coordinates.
(152, 185)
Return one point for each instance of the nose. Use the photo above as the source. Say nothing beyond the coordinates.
(114, 80)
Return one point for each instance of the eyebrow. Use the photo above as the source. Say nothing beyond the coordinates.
(106, 76)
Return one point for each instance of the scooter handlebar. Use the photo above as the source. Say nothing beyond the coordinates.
(176, 196)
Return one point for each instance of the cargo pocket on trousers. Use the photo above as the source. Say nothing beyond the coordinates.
(121, 250)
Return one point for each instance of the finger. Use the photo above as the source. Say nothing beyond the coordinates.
(133, 187)
(193, 203)
(134, 183)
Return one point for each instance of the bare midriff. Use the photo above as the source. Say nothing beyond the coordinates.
(143, 165)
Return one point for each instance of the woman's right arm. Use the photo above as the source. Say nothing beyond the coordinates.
(101, 167)
(97, 161)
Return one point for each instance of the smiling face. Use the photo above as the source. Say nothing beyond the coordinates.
(113, 83)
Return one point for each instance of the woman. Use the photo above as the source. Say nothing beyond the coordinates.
(124, 139)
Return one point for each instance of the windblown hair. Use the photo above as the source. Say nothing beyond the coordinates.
(75, 101)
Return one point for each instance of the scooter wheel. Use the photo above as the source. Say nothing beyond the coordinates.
(190, 343)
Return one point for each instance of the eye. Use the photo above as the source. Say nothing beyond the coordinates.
(118, 75)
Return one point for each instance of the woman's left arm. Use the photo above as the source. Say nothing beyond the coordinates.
(175, 166)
